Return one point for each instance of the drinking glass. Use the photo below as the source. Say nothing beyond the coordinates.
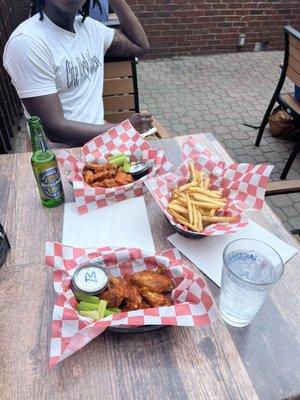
(250, 269)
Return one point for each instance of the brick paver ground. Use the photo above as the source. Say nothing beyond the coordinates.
(219, 94)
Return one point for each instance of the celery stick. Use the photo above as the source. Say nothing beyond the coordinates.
(87, 298)
(126, 167)
(101, 308)
(118, 161)
(107, 313)
(91, 314)
(114, 310)
(111, 311)
(115, 156)
(85, 306)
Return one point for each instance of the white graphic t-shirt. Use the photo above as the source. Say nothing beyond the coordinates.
(42, 58)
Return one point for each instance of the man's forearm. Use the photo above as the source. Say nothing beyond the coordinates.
(129, 23)
(74, 133)
(59, 129)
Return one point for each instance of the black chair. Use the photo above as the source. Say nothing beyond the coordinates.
(288, 102)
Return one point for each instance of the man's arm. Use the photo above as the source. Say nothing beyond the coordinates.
(131, 40)
(57, 128)
(73, 133)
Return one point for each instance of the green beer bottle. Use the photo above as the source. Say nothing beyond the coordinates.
(44, 166)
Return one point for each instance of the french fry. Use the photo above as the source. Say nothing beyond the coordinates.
(206, 183)
(216, 192)
(178, 208)
(182, 201)
(190, 209)
(195, 216)
(176, 201)
(201, 197)
(206, 192)
(200, 180)
(218, 219)
(186, 186)
(212, 213)
(208, 206)
(203, 212)
(182, 220)
(192, 171)
(200, 225)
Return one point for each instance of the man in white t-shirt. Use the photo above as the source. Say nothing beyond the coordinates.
(55, 60)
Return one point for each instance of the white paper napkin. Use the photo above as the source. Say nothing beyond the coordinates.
(124, 223)
(206, 253)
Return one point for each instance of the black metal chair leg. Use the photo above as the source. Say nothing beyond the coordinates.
(265, 120)
(290, 161)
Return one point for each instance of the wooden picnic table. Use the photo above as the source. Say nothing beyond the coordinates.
(260, 361)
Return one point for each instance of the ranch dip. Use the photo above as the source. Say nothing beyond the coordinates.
(91, 279)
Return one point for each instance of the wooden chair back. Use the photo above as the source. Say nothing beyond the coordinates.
(120, 91)
(285, 187)
(292, 54)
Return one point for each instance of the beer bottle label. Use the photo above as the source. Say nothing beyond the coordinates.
(50, 183)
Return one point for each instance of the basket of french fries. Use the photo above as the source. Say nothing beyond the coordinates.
(206, 196)
(112, 168)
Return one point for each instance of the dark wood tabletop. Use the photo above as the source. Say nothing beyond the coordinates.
(261, 361)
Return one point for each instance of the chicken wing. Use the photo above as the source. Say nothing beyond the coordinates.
(153, 281)
(122, 178)
(100, 176)
(95, 167)
(133, 297)
(122, 293)
(101, 167)
(113, 296)
(155, 299)
(161, 269)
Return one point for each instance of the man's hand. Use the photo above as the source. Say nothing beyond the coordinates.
(141, 121)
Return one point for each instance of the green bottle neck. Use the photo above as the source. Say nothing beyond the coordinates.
(38, 138)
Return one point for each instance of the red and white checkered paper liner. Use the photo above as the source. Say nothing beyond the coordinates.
(120, 139)
(193, 304)
(243, 184)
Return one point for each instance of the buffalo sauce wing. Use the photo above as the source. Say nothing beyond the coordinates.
(105, 176)
(139, 290)
(155, 282)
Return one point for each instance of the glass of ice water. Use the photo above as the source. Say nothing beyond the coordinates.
(250, 269)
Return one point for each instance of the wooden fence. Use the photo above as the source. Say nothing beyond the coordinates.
(9, 102)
